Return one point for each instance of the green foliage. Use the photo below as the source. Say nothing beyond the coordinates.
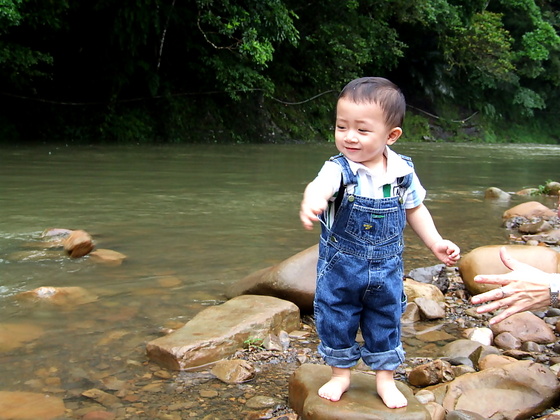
(254, 70)
(416, 128)
(543, 189)
(9, 13)
(482, 50)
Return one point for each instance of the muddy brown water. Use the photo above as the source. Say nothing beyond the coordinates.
(191, 220)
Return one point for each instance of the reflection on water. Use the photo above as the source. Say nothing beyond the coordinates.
(191, 220)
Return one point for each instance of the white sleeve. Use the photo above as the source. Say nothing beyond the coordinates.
(331, 175)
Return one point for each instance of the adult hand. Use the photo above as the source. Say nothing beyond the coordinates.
(524, 288)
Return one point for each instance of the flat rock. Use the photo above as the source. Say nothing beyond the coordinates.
(219, 331)
(61, 296)
(360, 402)
(29, 405)
(13, 336)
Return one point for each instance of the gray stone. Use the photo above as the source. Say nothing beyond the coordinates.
(430, 309)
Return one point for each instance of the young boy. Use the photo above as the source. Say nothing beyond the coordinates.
(360, 268)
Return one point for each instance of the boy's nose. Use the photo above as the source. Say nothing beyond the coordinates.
(351, 137)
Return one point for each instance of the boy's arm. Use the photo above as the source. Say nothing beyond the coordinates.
(420, 220)
(315, 200)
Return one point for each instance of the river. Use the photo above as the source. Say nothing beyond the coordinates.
(191, 220)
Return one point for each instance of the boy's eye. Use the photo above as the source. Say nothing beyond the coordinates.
(363, 130)
(340, 127)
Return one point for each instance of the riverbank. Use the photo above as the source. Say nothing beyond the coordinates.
(156, 393)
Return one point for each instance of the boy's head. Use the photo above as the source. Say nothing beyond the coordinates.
(380, 91)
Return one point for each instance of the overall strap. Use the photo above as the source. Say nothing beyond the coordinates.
(405, 181)
(347, 178)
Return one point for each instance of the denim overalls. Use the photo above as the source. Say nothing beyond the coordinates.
(360, 278)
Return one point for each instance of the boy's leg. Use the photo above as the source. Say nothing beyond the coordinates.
(338, 384)
(388, 391)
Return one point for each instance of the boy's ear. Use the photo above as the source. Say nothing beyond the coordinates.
(394, 135)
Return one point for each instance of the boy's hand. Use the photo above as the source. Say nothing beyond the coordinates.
(446, 251)
(310, 210)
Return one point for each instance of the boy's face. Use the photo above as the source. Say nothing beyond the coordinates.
(361, 133)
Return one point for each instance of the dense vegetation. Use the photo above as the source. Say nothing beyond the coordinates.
(269, 70)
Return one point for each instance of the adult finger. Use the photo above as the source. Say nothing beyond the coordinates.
(500, 279)
(509, 261)
(491, 295)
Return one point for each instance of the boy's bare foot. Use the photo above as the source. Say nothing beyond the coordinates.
(339, 383)
(388, 391)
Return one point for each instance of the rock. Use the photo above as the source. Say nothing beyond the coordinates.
(13, 336)
(526, 327)
(486, 260)
(415, 289)
(51, 232)
(552, 237)
(99, 415)
(104, 398)
(507, 341)
(429, 309)
(494, 360)
(460, 348)
(437, 412)
(481, 334)
(424, 396)
(464, 415)
(494, 193)
(360, 402)
(293, 279)
(514, 391)
(107, 257)
(233, 371)
(411, 313)
(60, 296)
(529, 210)
(78, 244)
(434, 372)
(30, 405)
(481, 352)
(462, 370)
(553, 187)
(261, 401)
(218, 331)
(535, 227)
(436, 275)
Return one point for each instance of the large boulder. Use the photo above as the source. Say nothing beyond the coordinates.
(486, 260)
(293, 279)
(530, 210)
(219, 331)
(517, 390)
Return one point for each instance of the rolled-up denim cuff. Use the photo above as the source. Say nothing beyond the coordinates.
(340, 358)
(387, 360)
